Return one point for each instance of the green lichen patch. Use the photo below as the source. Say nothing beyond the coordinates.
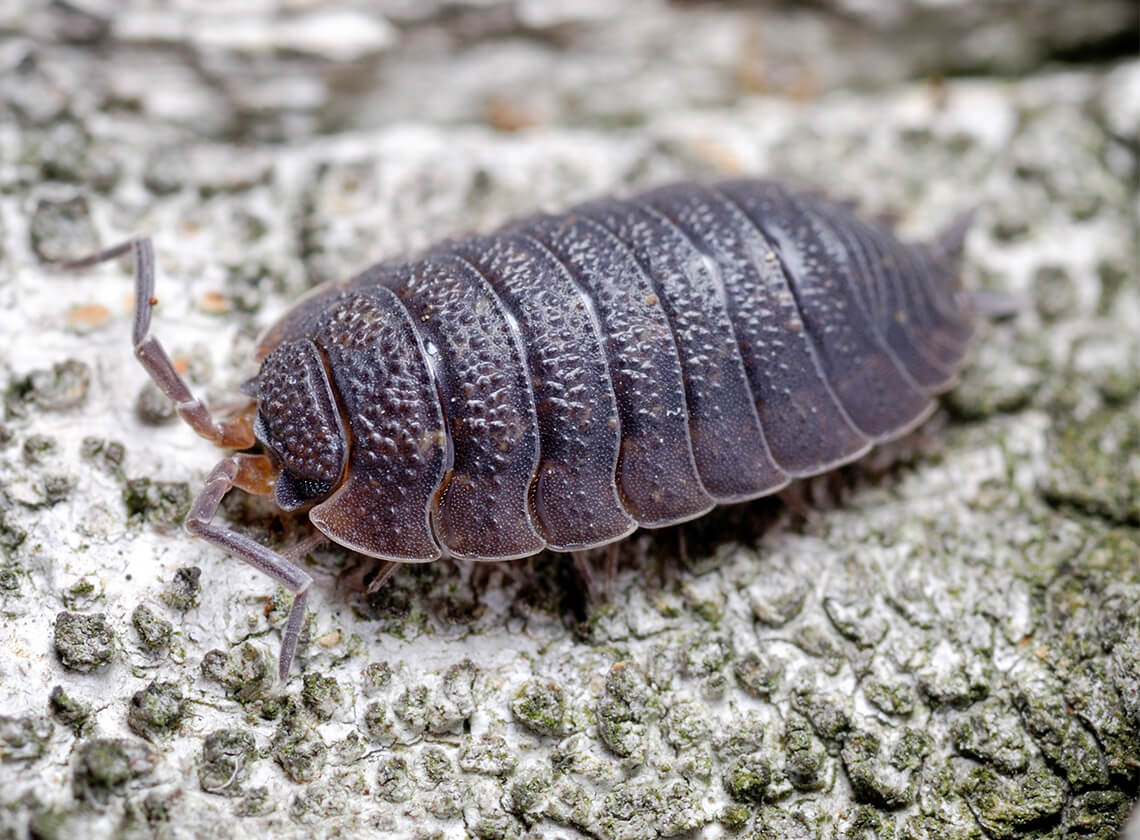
(648, 807)
(227, 755)
(247, 672)
(991, 733)
(881, 764)
(1039, 698)
(488, 755)
(154, 408)
(1094, 464)
(750, 731)
(734, 816)
(107, 455)
(53, 489)
(62, 387)
(23, 739)
(58, 152)
(9, 575)
(1054, 292)
(157, 813)
(83, 642)
(57, 822)
(1007, 807)
(1091, 695)
(379, 723)
(705, 655)
(458, 686)
(1107, 363)
(866, 823)
(540, 705)
(321, 695)
(255, 802)
(413, 706)
(747, 778)
(1111, 561)
(948, 675)
(759, 674)
(446, 802)
(422, 708)
(68, 711)
(686, 724)
(493, 827)
(625, 710)
(66, 151)
(156, 710)
(527, 794)
(1097, 815)
(860, 621)
(944, 820)
(62, 229)
(780, 599)
(996, 381)
(774, 823)
(1114, 276)
(163, 504)
(11, 538)
(806, 762)
(377, 676)
(298, 748)
(83, 593)
(434, 767)
(888, 690)
(154, 632)
(829, 713)
(105, 767)
(39, 449)
(815, 640)
(393, 781)
(454, 603)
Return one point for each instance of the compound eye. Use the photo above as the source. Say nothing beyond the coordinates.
(293, 493)
(309, 489)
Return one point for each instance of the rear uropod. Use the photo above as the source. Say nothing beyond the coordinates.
(567, 379)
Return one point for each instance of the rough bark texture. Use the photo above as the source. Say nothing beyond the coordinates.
(946, 644)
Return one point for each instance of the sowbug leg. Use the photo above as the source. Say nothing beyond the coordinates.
(235, 433)
(584, 566)
(383, 572)
(613, 555)
(241, 471)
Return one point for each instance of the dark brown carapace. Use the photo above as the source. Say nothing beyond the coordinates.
(566, 379)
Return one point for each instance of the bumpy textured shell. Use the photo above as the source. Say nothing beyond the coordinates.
(566, 379)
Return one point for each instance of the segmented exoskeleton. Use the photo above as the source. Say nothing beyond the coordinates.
(568, 378)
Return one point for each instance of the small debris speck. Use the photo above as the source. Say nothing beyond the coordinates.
(184, 589)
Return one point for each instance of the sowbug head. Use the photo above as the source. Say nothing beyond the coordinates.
(300, 425)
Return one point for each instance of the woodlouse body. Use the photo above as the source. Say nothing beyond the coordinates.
(566, 379)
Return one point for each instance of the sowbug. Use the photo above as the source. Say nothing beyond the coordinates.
(566, 379)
